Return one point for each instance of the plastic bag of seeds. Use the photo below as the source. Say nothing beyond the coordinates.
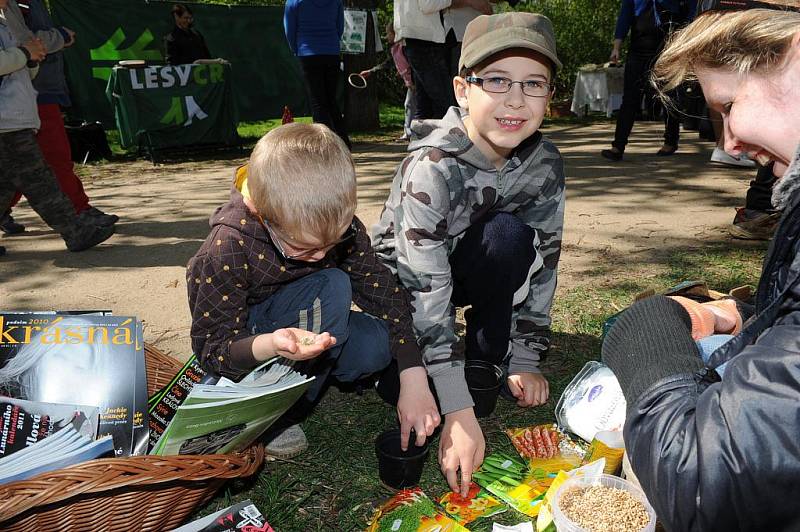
(544, 522)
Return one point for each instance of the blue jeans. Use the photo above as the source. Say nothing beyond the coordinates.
(320, 302)
(709, 344)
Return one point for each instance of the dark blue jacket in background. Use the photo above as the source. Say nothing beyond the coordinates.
(314, 27)
(50, 83)
(682, 11)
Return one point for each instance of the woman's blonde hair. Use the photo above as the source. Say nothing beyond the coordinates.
(755, 40)
(302, 177)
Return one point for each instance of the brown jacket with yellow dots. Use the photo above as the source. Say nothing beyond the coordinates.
(237, 267)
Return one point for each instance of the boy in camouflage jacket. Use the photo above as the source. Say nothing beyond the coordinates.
(475, 217)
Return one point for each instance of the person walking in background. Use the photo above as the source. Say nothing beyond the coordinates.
(649, 22)
(433, 31)
(21, 163)
(184, 44)
(398, 55)
(26, 20)
(314, 30)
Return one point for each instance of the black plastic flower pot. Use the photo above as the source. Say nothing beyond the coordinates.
(484, 380)
(397, 468)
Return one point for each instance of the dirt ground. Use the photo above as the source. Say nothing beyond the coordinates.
(621, 219)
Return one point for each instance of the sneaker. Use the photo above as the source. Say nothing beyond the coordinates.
(98, 217)
(612, 155)
(287, 443)
(750, 224)
(722, 157)
(9, 226)
(85, 236)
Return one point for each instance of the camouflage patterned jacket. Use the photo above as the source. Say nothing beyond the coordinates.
(444, 186)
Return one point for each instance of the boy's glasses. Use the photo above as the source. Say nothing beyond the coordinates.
(302, 254)
(498, 85)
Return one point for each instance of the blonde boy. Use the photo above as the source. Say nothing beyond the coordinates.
(474, 218)
(285, 259)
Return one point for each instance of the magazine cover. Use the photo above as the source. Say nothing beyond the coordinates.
(83, 360)
(23, 423)
(222, 419)
(140, 428)
(242, 516)
(163, 404)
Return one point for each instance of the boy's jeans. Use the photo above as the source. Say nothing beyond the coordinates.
(489, 264)
(320, 302)
(709, 344)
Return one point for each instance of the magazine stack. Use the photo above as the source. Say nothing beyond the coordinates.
(73, 387)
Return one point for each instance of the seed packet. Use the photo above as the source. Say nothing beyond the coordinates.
(547, 449)
(478, 503)
(410, 510)
(511, 481)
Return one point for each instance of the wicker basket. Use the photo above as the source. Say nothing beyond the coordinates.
(126, 494)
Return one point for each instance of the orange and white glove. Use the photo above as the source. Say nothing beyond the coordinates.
(713, 317)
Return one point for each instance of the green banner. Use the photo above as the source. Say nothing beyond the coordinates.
(166, 106)
(266, 76)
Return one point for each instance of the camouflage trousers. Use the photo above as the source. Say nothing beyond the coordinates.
(23, 168)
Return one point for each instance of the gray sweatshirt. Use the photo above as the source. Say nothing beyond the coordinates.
(441, 188)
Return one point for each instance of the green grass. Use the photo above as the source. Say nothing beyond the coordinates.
(335, 486)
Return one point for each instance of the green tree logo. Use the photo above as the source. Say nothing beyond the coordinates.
(110, 52)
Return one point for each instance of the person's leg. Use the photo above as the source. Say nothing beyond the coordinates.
(332, 79)
(319, 302)
(409, 108)
(489, 265)
(53, 141)
(632, 92)
(672, 124)
(366, 351)
(709, 344)
(430, 64)
(26, 170)
(422, 106)
(758, 219)
(314, 74)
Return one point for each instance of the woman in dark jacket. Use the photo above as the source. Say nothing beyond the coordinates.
(184, 44)
(724, 454)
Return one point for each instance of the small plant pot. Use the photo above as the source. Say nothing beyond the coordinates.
(484, 380)
(399, 469)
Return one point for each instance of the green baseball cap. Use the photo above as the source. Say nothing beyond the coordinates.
(488, 34)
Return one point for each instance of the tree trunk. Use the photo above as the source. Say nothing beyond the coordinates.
(361, 105)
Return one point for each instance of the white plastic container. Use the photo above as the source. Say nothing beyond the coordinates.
(564, 524)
